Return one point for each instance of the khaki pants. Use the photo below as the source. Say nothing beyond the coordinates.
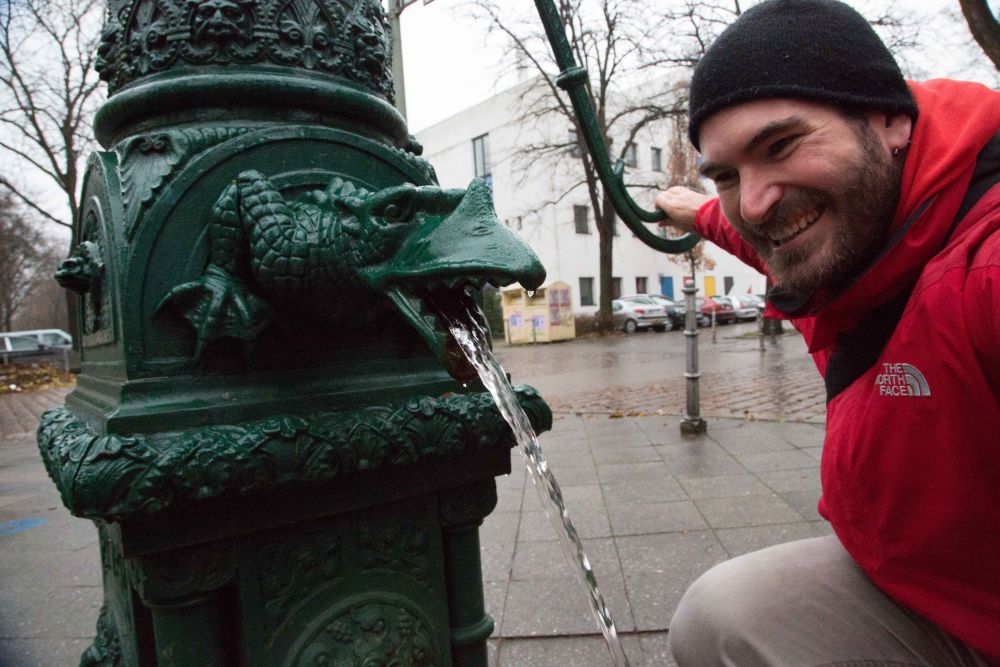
(803, 604)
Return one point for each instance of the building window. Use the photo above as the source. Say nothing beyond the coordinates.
(656, 158)
(481, 159)
(631, 155)
(640, 285)
(574, 144)
(586, 291)
(581, 218)
(616, 288)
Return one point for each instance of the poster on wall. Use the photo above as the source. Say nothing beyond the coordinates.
(559, 307)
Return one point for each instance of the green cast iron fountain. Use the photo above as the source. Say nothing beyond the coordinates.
(280, 468)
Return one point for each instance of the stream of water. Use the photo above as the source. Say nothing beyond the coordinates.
(472, 339)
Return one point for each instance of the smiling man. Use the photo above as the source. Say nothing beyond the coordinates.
(871, 203)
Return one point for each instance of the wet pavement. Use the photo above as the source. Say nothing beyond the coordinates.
(654, 508)
(644, 373)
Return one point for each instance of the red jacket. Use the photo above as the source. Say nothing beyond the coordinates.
(911, 460)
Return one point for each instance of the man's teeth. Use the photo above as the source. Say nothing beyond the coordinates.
(779, 236)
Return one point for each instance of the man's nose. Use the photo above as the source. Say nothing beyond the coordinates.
(758, 195)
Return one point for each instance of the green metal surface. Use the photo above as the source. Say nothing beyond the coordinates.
(267, 428)
(574, 80)
(115, 478)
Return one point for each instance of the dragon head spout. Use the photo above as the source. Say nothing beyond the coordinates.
(457, 244)
(323, 256)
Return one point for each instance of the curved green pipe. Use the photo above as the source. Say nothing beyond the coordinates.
(573, 80)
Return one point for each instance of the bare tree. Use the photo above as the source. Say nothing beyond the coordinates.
(22, 254)
(682, 169)
(984, 27)
(621, 45)
(48, 94)
(46, 306)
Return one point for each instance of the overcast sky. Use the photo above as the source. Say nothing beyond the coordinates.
(448, 63)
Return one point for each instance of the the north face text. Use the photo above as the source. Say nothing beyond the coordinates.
(899, 379)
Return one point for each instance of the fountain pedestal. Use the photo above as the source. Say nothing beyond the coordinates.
(381, 567)
(280, 468)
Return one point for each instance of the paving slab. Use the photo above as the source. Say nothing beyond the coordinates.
(659, 568)
(641, 492)
(651, 518)
(755, 510)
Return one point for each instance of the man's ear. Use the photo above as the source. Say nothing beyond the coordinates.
(894, 130)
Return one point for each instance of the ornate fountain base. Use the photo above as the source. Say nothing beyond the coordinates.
(347, 538)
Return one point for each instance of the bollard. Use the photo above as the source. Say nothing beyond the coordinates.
(692, 424)
(760, 330)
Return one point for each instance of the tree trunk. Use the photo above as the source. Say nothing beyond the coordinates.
(606, 236)
(984, 27)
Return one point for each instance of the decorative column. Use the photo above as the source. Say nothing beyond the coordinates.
(267, 427)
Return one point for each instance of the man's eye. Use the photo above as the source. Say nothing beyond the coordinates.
(780, 146)
(725, 178)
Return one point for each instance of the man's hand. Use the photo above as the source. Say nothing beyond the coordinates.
(681, 205)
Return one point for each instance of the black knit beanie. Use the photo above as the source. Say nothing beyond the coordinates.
(818, 50)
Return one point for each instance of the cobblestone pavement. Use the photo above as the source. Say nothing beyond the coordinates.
(738, 380)
(19, 413)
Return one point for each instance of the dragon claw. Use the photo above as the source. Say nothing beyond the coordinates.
(219, 305)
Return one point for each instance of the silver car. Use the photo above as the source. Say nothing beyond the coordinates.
(744, 307)
(638, 313)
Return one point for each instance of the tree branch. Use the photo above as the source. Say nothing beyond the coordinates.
(984, 27)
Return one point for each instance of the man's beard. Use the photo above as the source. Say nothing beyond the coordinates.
(863, 211)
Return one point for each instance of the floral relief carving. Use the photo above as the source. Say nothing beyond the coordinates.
(113, 477)
(147, 163)
(306, 35)
(106, 650)
(291, 572)
(372, 632)
(346, 38)
(396, 546)
(146, 44)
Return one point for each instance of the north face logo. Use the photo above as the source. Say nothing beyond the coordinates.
(901, 380)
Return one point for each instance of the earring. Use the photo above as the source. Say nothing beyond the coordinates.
(896, 152)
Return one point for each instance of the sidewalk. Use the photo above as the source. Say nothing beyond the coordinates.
(654, 509)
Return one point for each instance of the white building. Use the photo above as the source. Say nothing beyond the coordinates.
(537, 200)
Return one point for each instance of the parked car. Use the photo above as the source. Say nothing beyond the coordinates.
(675, 311)
(25, 349)
(48, 337)
(723, 312)
(744, 305)
(638, 313)
(757, 300)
